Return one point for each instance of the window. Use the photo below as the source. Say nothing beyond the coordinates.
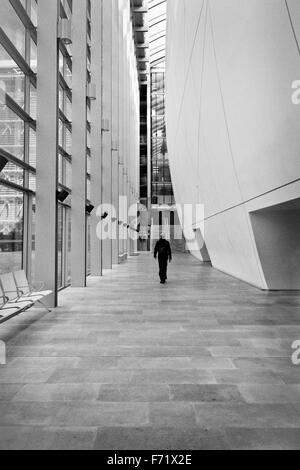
(12, 79)
(13, 26)
(11, 229)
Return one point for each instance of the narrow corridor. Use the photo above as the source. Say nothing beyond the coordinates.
(202, 362)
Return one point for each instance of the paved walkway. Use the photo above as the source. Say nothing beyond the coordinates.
(203, 362)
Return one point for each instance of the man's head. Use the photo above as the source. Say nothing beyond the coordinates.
(162, 236)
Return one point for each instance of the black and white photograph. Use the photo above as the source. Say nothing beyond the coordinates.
(149, 228)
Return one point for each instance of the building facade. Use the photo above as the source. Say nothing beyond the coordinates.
(69, 138)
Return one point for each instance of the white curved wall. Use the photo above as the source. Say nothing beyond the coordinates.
(232, 129)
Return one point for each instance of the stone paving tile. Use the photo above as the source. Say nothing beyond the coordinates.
(270, 393)
(263, 439)
(103, 414)
(250, 376)
(50, 438)
(201, 363)
(177, 414)
(91, 376)
(58, 392)
(173, 377)
(165, 438)
(134, 393)
(8, 391)
(205, 393)
(220, 415)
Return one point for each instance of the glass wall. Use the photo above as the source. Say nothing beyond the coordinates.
(18, 108)
(24, 214)
(88, 150)
(64, 162)
(11, 229)
(18, 42)
(162, 191)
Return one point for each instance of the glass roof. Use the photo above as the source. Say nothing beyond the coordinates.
(157, 30)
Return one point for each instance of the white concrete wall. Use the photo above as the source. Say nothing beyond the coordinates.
(232, 129)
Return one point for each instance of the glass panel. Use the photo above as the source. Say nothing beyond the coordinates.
(60, 169)
(88, 245)
(12, 80)
(68, 76)
(60, 134)
(61, 63)
(33, 102)
(33, 12)
(68, 243)
(59, 246)
(68, 176)
(11, 229)
(88, 165)
(32, 182)
(68, 109)
(13, 173)
(33, 222)
(32, 148)
(66, 7)
(61, 98)
(12, 26)
(33, 56)
(88, 189)
(89, 116)
(11, 132)
(68, 148)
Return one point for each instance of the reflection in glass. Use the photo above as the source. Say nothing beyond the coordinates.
(68, 243)
(33, 56)
(33, 222)
(33, 102)
(11, 229)
(32, 148)
(68, 148)
(33, 12)
(60, 169)
(88, 245)
(11, 132)
(12, 26)
(60, 246)
(13, 174)
(68, 175)
(12, 79)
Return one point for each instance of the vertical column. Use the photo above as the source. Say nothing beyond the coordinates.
(125, 123)
(47, 147)
(96, 151)
(107, 134)
(115, 127)
(149, 145)
(79, 143)
(121, 137)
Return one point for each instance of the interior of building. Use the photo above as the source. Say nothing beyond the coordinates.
(123, 122)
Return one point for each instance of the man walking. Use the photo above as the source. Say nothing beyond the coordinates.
(163, 250)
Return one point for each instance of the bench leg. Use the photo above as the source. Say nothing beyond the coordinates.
(44, 306)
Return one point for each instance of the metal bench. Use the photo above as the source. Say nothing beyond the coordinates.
(9, 309)
(25, 291)
(17, 297)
